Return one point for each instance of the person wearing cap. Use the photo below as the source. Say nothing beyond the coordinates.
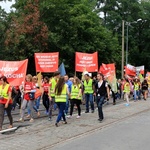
(5, 101)
(101, 91)
(88, 86)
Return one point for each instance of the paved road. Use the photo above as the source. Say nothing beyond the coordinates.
(129, 134)
(122, 127)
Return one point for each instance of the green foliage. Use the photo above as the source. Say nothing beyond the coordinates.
(69, 26)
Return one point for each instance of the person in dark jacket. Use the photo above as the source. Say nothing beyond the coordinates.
(101, 90)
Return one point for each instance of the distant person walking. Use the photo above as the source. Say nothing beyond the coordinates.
(127, 91)
(145, 89)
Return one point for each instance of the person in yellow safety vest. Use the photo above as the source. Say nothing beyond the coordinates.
(61, 92)
(5, 101)
(136, 89)
(127, 91)
(53, 82)
(88, 91)
(76, 96)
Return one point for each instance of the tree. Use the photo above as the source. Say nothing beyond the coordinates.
(75, 27)
(27, 33)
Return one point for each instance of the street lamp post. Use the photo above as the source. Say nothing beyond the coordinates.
(127, 37)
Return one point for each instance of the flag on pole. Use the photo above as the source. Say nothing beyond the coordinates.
(62, 69)
(39, 76)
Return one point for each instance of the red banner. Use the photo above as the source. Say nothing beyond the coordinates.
(85, 61)
(46, 62)
(15, 71)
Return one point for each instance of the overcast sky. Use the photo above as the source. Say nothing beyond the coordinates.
(6, 5)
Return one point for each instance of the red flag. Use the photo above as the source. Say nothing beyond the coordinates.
(85, 61)
(130, 70)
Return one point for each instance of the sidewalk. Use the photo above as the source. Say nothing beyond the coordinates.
(42, 134)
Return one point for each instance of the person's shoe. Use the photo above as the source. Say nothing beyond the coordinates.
(114, 103)
(100, 120)
(31, 120)
(126, 104)
(92, 111)
(21, 120)
(86, 111)
(10, 126)
(38, 114)
(56, 124)
(65, 122)
(69, 117)
(78, 117)
(49, 119)
(28, 116)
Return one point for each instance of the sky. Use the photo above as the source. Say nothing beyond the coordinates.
(7, 5)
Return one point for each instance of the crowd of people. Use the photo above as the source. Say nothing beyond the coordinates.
(62, 93)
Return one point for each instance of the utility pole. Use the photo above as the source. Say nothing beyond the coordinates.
(127, 44)
(122, 63)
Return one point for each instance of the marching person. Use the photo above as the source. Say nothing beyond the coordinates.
(28, 98)
(5, 101)
(88, 91)
(38, 94)
(53, 82)
(136, 89)
(69, 83)
(76, 96)
(145, 89)
(61, 92)
(101, 91)
(46, 93)
(127, 91)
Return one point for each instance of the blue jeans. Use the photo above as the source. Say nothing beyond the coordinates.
(136, 94)
(89, 97)
(100, 101)
(36, 105)
(61, 114)
(67, 106)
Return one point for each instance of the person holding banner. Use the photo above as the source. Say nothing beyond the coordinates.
(61, 92)
(53, 82)
(46, 94)
(88, 91)
(5, 101)
(28, 100)
(101, 91)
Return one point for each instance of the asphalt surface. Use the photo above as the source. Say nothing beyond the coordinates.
(129, 134)
(124, 128)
